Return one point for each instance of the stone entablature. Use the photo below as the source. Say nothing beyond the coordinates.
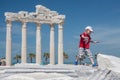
(42, 15)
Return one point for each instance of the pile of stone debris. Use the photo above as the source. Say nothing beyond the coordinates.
(107, 69)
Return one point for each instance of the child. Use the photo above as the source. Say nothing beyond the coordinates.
(84, 45)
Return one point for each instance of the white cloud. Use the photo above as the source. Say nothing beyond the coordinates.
(107, 35)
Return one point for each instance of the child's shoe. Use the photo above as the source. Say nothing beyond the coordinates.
(94, 65)
(76, 63)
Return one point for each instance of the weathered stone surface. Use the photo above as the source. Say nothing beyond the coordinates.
(41, 15)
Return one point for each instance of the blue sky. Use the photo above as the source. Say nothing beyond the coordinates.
(102, 15)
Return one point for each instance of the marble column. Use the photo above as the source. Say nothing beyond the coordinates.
(38, 44)
(8, 43)
(24, 44)
(60, 44)
(52, 50)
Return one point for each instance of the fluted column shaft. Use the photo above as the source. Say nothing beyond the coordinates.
(52, 50)
(60, 44)
(24, 43)
(8, 43)
(38, 44)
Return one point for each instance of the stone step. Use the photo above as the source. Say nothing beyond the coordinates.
(38, 70)
(99, 75)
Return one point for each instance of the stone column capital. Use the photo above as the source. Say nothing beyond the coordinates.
(52, 27)
(61, 23)
(9, 23)
(24, 24)
(60, 26)
(38, 26)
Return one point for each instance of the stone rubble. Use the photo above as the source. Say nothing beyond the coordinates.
(63, 72)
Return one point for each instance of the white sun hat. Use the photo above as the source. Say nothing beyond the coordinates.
(89, 27)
